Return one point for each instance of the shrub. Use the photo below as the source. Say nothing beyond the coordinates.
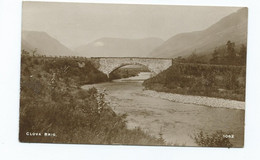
(216, 139)
(201, 79)
(49, 105)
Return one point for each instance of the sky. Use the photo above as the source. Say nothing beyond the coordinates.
(76, 24)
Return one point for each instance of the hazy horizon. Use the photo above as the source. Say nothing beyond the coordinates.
(76, 24)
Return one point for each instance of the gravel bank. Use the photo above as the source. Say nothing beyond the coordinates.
(207, 101)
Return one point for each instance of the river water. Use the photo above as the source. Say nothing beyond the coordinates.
(177, 122)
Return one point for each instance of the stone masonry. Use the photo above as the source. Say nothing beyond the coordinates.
(109, 64)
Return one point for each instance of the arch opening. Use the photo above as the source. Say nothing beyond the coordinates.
(131, 72)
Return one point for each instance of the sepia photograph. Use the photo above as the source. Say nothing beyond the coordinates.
(133, 74)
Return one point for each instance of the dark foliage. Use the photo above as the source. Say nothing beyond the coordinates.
(201, 79)
(216, 139)
(51, 102)
(228, 54)
(126, 72)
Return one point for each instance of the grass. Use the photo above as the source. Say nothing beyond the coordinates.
(216, 139)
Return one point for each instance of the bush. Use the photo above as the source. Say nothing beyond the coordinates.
(216, 139)
(201, 79)
(126, 72)
(49, 105)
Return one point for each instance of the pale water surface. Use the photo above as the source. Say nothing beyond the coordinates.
(176, 121)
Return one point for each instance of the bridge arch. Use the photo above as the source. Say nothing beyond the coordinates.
(127, 64)
(109, 64)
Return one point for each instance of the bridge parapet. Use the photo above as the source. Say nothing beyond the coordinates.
(109, 64)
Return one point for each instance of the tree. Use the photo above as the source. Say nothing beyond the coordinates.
(230, 51)
(180, 59)
(242, 54)
(34, 51)
(215, 56)
(192, 58)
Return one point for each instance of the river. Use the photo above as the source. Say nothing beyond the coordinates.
(177, 122)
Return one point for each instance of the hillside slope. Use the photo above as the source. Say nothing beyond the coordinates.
(44, 44)
(232, 27)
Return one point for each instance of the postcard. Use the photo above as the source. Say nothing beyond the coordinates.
(133, 74)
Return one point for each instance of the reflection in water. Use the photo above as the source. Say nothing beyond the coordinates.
(176, 121)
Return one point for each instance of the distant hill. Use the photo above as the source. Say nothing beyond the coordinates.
(119, 47)
(232, 27)
(44, 44)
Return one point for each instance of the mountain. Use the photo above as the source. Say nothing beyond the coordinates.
(119, 47)
(232, 27)
(44, 44)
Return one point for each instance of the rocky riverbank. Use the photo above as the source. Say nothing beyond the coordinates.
(207, 101)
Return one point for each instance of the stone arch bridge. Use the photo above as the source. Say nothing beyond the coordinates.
(109, 64)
